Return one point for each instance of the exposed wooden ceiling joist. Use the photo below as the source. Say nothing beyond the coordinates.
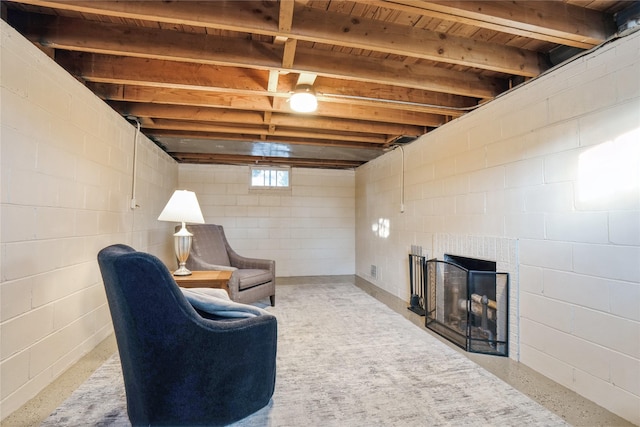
(219, 115)
(321, 27)
(551, 21)
(208, 80)
(188, 97)
(264, 160)
(119, 40)
(181, 75)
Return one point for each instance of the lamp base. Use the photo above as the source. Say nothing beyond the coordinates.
(182, 246)
(182, 271)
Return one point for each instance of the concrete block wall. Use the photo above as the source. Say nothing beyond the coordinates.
(66, 183)
(555, 166)
(309, 230)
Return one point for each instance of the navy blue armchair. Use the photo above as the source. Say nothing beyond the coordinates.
(180, 367)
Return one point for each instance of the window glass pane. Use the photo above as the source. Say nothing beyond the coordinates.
(283, 178)
(269, 178)
(257, 177)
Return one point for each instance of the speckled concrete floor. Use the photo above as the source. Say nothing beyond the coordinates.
(37, 409)
(572, 407)
(575, 409)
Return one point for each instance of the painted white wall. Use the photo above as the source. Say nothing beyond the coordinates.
(309, 229)
(554, 165)
(66, 183)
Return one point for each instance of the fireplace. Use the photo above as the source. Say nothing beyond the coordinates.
(467, 302)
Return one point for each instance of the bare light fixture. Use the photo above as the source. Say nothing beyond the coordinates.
(304, 99)
(182, 207)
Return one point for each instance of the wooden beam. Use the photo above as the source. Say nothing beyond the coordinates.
(319, 26)
(181, 75)
(221, 115)
(234, 159)
(115, 92)
(185, 134)
(285, 18)
(282, 132)
(289, 53)
(550, 21)
(346, 125)
(359, 33)
(274, 76)
(100, 68)
(115, 39)
(306, 79)
(219, 100)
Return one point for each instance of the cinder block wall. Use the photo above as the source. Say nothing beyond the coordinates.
(66, 180)
(309, 230)
(554, 165)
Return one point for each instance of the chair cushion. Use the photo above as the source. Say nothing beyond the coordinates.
(217, 302)
(248, 278)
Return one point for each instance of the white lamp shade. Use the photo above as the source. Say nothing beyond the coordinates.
(182, 207)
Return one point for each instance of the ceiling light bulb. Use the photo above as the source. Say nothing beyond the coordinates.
(304, 99)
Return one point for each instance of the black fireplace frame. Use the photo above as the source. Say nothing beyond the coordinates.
(460, 314)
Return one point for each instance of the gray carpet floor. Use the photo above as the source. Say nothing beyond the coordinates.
(346, 359)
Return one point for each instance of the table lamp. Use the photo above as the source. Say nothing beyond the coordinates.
(182, 207)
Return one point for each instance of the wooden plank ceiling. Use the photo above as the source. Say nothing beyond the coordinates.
(209, 81)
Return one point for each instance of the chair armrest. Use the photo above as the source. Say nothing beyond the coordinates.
(263, 326)
(241, 262)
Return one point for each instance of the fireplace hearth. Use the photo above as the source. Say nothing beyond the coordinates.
(467, 302)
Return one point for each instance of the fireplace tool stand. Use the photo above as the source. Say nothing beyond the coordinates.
(417, 264)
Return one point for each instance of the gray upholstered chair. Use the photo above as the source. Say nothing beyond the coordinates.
(180, 365)
(252, 279)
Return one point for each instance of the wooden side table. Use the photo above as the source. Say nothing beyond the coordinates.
(205, 279)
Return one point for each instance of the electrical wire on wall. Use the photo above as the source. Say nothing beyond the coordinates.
(402, 181)
(401, 177)
(133, 204)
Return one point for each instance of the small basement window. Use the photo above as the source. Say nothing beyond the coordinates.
(269, 177)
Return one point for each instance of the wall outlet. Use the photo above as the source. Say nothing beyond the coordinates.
(374, 271)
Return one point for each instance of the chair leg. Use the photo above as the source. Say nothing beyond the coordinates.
(273, 300)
